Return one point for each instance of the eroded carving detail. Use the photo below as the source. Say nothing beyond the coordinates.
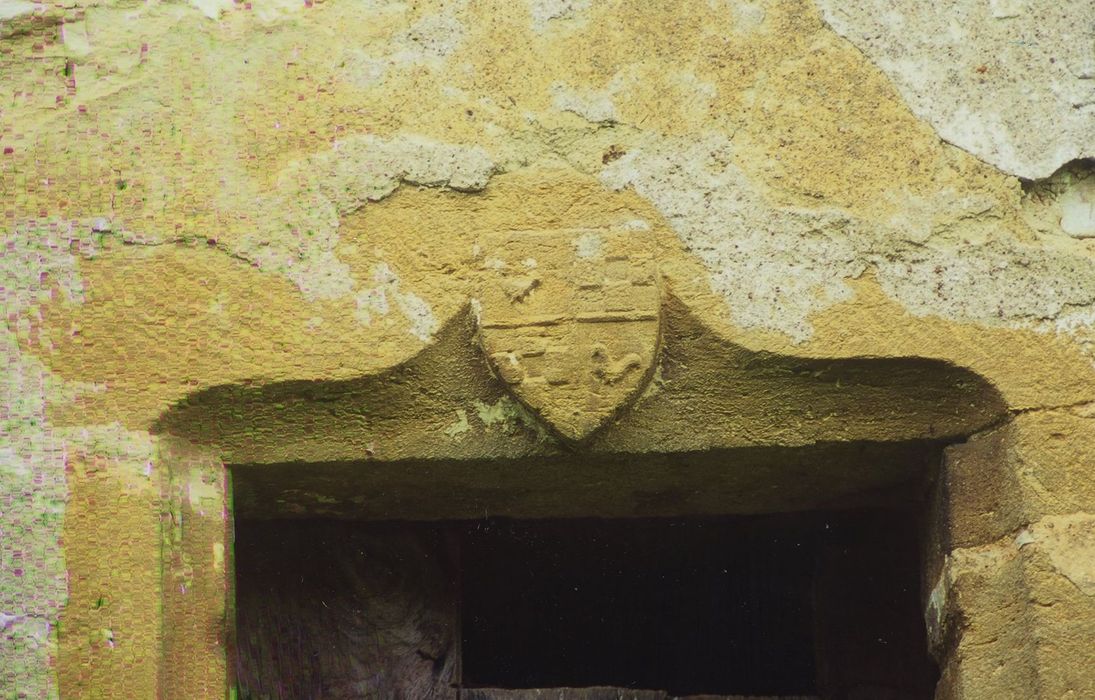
(570, 321)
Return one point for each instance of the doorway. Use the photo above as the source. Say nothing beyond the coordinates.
(813, 604)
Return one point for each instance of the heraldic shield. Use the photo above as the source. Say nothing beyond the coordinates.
(570, 321)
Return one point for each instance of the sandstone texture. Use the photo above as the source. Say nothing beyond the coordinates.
(212, 208)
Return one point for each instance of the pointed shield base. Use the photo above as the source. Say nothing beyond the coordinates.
(570, 321)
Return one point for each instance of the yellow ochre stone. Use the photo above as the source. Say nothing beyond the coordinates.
(221, 207)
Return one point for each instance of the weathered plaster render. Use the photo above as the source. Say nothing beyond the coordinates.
(1010, 81)
(203, 195)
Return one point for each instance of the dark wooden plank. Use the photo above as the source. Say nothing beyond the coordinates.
(338, 610)
(603, 693)
(600, 693)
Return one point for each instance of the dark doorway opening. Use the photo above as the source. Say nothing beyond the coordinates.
(707, 605)
(819, 604)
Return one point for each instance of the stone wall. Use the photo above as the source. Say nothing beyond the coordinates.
(208, 194)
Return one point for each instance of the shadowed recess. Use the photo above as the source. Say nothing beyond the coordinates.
(706, 393)
(711, 482)
(821, 604)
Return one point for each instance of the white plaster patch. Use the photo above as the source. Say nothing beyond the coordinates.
(39, 252)
(995, 282)
(588, 245)
(460, 425)
(1077, 206)
(74, 37)
(301, 217)
(362, 70)
(426, 43)
(919, 218)
(418, 313)
(1063, 203)
(1006, 9)
(773, 266)
(544, 12)
(273, 10)
(369, 302)
(37, 259)
(218, 557)
(595, 106)
(747, 16)
(10, 9)
(691, 85)
(979, 561)
(199, 491)
(34, 634)
(378, 299)
(431, 38)
(213, 8)
(1007, 84)
(7, 620)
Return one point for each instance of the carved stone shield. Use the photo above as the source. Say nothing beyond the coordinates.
(570, 320)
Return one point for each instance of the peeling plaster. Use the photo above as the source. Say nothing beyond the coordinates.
(38, 259)
(1063, 203)
(777, 265)
(213, 8)
(375, 300)
(1012, 83)
(773, 266)
(544, 12)
(299, 221)
(33, 583)
(588, 245)
(593, 106)
(433, 37)
(748, 16)
(10, 9)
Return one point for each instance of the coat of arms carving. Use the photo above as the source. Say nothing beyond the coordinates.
(570, 320)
